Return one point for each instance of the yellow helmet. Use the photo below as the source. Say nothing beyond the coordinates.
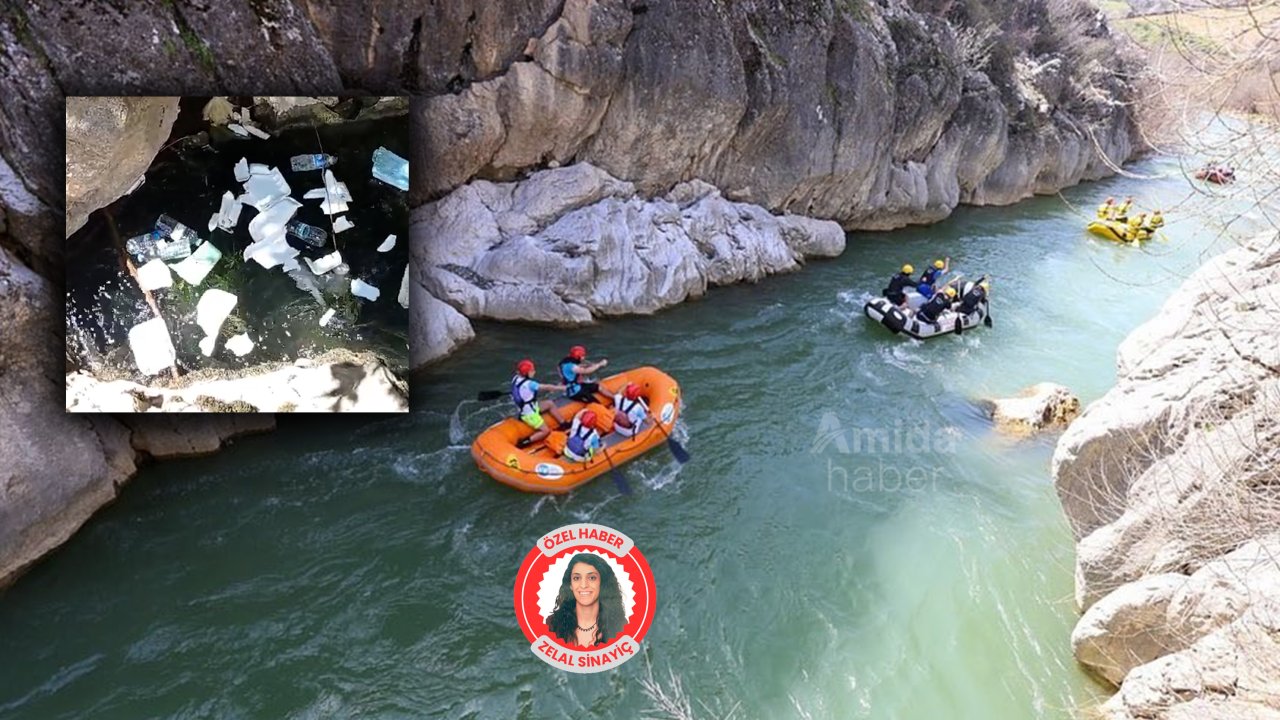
(950, 291)
(908, 269)
(985, 285)
(939, 264)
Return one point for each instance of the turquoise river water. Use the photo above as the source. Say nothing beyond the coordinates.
(363, 567)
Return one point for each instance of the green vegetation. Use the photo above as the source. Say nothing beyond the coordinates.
(198, 48)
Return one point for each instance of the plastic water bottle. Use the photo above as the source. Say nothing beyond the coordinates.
(319, 161)
(181, 238)
(308, 234)
(144, 247)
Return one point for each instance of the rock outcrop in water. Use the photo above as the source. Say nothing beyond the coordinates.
(1171, 483)
(1043, 406)
(574, 244)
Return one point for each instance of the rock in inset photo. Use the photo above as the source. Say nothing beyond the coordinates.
(237, 254)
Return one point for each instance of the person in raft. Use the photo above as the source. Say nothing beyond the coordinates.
(584, 438)
(574, 369)
(631, 410)
(930, 276)
(896, 292)
(974, 298)
(1122, 210)
(524, 393)
(588, 608)
(940, 302)
(1107, 209)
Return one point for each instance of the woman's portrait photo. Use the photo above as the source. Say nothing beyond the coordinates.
(592, 601)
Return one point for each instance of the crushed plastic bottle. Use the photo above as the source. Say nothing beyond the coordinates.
(319, 161)
(390, 168)
(309, 234)
(144, 247)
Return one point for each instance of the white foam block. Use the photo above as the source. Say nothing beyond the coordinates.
(240, 344)
(387, 244)
(152, 348)
(238, 130)
(333, 207)
(242, 170)
(259, 169)
(271, 222)
(212, 310)
(197, 265)
(360, 288)
(229, 212)
(336, 190)
(262, 190)
(154, 275)
(315, 194)
(256, 132)
(207, 344)
(326, 317)
(342, 223)
(326, 263)
(403, 297)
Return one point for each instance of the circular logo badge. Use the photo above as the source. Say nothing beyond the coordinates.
(584, 598)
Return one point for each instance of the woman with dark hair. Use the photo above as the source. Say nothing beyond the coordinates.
(589, 605)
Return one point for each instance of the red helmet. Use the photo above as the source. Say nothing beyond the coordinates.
(525, 367)
(589, 418)
(631, 392)
(577, 352)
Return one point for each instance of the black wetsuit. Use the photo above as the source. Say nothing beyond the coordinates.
(898, 284)
(972, 300)
(930, 311)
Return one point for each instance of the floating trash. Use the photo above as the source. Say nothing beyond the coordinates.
(403, 297)
(154, 275)
(360, 288)
(390, 168)
(318, 161)
(152, 348)
(240, 344)
(326, 263)
(342, 223)
(326, 317)
(238, 129)
(197, 266)
(242, 170)
(387, 244)
(309, 234)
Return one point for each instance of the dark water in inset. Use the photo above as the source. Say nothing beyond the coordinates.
(282, 318)
(364, 568)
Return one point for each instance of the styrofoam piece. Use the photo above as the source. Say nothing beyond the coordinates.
(259, 169)
(314, 194)
(271, 253)
(154, 275)
(326, 317)
(152, 348)
(290, 264)
(325, 264)
(390, 168)
(238, 129)
(242, 170)
(265, 189)
(206, 345)
(213, 308)
(256, 132)
(197, 265)
(272, 221)
(342, 223)
(240, 344)
(403, 297)
(387, 244)
(333, 207)
(229, 212)
(336, 190)
(360, 288)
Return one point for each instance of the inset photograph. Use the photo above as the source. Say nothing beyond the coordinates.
(237, 254)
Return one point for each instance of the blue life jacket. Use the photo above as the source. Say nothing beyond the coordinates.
(577, 443)
(572, 381)
(925, 290)
(930, 276)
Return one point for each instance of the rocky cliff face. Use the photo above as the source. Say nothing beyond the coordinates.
(1171, 483)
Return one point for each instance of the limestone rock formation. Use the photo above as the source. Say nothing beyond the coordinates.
(1173, 474)
(1043, 406)
(573, 244)
(111, 141)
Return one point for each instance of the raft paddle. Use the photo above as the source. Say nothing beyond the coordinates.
(677, 450)
(618, 478)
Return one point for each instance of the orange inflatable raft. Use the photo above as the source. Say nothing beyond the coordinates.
(543, 468)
